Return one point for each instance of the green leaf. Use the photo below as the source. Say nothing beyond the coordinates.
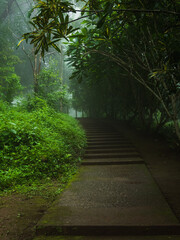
(67, 19)
(61, 17)
(38, 48)
(100, 39)
(20, 42)
(56, 47)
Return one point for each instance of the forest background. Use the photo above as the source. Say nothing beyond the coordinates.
(110, 59)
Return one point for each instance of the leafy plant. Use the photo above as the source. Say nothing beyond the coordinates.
(51, 88)
(9, 81)
(37, 145)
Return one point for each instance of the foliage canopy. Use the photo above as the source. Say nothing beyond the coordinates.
(137, 40)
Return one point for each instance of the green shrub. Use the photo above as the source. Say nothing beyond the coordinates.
(37, 145)
(33, 103)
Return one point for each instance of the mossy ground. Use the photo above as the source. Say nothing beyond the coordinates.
(20, 212)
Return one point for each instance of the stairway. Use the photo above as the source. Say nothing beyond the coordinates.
(113, 196)
(107, 146)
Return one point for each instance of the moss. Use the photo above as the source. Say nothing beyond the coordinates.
(73, 179)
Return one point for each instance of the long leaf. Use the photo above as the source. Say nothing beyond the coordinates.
(20, 42)
(56, 47)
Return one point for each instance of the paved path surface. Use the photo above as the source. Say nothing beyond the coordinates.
(108, 238)
(113, 194)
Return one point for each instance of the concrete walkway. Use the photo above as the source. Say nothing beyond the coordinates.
(107, 238)
(113, 195)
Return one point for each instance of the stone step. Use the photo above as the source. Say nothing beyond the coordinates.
(107, 133)
(109, 146)
(112, 155)
(113, 140)
(112, 230)
(110, 200)
(113, 161)
(104, 128)
(105, 137)
(107, 143)
(118, 140)
(96, 127)
(98, 132)
(110, 150)
(134, 237)
(101, 131)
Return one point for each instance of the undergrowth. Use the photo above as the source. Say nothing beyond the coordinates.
(37, 146)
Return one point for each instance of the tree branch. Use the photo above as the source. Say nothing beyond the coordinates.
(81, 18)
(135, 75)
(132, 10)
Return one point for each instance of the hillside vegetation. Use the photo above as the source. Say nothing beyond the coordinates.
(37, 144)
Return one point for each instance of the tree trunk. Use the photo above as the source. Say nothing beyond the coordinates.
(35, 75)
(6, 11)
(177, 127)
(61, 74)
(36, 71)
(175, 117)
(76, 113)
